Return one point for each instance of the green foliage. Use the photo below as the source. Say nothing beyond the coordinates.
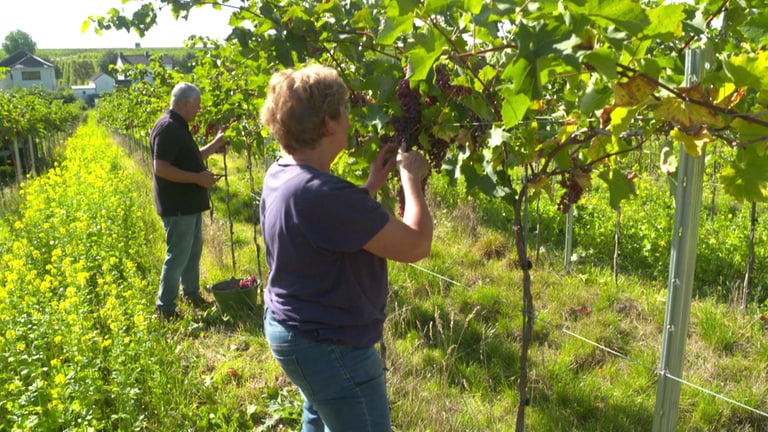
(107, 60)
(19, 40)
(35, 112)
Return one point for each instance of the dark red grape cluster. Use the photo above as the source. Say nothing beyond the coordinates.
(442, 77)
(359, 99)
(407, 126)
(248, 282)
(443, 82)
(438, 149)
(573, 188)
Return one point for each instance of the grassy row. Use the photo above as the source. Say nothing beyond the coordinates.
(81, 348)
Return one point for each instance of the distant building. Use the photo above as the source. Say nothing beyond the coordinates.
(124, 60)
(27, 70)
(97, 85)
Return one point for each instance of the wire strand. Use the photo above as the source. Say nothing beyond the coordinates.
(711, 393)
(610, 350)
(603, 347)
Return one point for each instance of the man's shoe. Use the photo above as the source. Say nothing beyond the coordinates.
(168, 315)
(200, 303)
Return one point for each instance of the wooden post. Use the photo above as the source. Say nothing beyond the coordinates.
(682, 263)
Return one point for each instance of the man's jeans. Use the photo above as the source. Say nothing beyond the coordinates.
(184, 247)
(343, 387)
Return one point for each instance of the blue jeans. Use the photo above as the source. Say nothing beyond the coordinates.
(343, 387)
(184, 247)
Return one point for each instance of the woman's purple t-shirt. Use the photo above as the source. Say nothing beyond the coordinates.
(321, 281)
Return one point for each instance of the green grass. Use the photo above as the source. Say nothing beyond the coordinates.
(454, 331)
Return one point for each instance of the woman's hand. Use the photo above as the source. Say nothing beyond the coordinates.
(413, 165)
(380, 169)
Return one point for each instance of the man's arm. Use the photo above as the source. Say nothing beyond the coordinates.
(215, 145)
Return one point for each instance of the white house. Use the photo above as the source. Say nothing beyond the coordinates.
(97, 84)
(27, 70)
(140, 59)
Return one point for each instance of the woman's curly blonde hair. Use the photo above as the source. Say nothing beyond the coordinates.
(298, 100)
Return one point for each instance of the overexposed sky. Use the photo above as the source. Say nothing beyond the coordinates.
(57, 24)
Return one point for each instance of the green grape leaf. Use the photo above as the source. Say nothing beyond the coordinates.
(478, 181)
(595, 99)
(620, 185)
(746, 177)
(420, 62)
(433, 7)
(514, 107)
(602, 60)
(394, 27)
(666, 22)
(598, 148)
(627, 15)
(754, 27)
(473, 6)
(748, 131)
(749, 70)
(521, 74)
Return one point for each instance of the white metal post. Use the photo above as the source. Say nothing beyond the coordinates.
(568, 239)
(682, 262)
(17, 161)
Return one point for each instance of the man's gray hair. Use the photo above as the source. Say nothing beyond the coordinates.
(182, 92)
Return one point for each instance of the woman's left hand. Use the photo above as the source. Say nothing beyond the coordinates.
(380, 168)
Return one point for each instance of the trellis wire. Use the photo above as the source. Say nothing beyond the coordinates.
(609, 350)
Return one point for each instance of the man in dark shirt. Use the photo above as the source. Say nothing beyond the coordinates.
(181, 182)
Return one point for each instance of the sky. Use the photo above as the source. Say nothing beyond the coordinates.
(57, 24)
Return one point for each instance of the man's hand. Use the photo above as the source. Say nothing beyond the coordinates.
(207, 179)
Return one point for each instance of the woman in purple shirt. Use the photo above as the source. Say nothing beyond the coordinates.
(327, 244)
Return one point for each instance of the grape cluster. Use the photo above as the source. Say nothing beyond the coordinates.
(443, 82)
(574, 188)
(438, 149)
(248, 282)
(359, 99)
(407, 126)
(478, 133)
(442, 77)
(401, 197)
(210, 130)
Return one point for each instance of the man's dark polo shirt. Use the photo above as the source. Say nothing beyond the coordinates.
(171, 141)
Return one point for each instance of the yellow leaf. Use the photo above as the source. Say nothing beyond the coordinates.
(727, 99)
(686, 115)
(633, 92)
(693, 144)
(539, 182)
